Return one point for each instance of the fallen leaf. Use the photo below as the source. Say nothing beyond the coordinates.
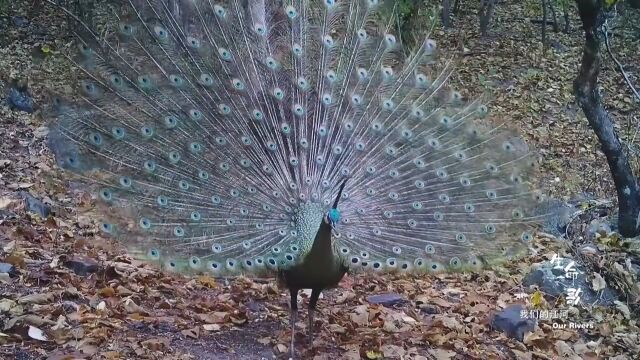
(537, 299)
(207, 281)
(531, 338)
(281, 348)
(6, 202)
(218, 317)
(131, 307)
(264, 340)
(36, 333)
(563, 349)
(345, 296)
(373, 354)
(623, 308)
(441, 302)
(212, 327)
(598, 283)
(6, 305)
(360, 315)
(39, 298)
(441, 354)
(238, 320)
(336, 328)
(192, 333)
(156, 344)
(102, 306)
(392, 351)
(106, 292)
(352, 353)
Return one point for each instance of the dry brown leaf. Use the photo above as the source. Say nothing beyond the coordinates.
(264, 340)
(360, 315)
(336, 328)
(281, 348)
(218, 317)
(563, 349)
(212, 327)
(9, 203)
(522, 355)
(112, 355)
(392, 351)
(39, 298)
(192, 333)
(534, 338)
(156, 344)
(352, 352)
(441, 302)
(106, 292)
(345, 296)
(123, 291)
(441, 354)
(598, 283)
(207, 281)
(6, 305)
(395, 322)
(623, 308)
(449, 322)
(238, 320)
(131, 307)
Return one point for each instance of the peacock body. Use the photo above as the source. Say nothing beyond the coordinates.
(297, 137)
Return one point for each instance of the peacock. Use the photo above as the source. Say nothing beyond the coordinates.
(298, 138)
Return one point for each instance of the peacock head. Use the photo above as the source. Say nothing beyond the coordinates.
(311, 217)
(333, 215)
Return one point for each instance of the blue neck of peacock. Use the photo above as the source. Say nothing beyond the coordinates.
(322, 241)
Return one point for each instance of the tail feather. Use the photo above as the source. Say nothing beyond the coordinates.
(203, 129)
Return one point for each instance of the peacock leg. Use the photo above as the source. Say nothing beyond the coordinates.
(315, 294)
(293, 316)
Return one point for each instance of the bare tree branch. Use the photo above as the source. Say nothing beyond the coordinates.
(615, 60)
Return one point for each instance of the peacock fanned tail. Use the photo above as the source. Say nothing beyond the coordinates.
(216, 136)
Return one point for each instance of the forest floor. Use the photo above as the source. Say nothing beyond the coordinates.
(74, 295)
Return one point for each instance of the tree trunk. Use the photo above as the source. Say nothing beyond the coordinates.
(544, 25)
(446, 13)
(565, 12)
(556, 27)
(592, 14)
(486, 12)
